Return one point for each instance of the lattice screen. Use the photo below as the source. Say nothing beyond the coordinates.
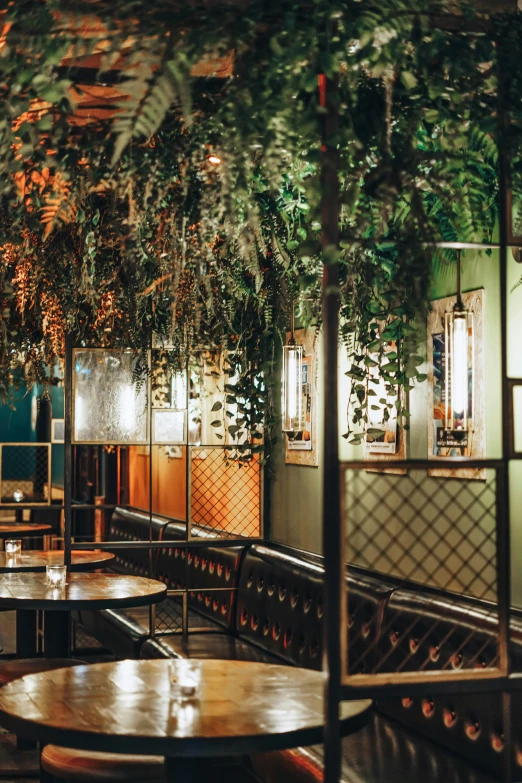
(25, 473)
(225, 493)
(430, 544)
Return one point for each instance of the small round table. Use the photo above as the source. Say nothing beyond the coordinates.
(29, 591)
(23, 530)
(126, 707)
(36, 560)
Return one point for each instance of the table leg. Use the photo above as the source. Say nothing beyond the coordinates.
(57, 634)
(26, 633)
(180, 770)
(26, 647)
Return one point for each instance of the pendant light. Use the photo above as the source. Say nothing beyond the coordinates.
(458, 333)
(292, 397)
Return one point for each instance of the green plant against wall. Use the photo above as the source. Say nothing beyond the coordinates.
(122, 228)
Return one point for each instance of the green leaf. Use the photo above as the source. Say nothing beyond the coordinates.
(216, 407)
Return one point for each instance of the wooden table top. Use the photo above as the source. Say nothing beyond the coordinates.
(23, 530)
(82, 591)
(127, 707)
(35, 560)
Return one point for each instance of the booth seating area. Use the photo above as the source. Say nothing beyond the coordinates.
(265, 602)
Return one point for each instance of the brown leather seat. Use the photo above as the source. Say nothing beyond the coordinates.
(12, 670)
(85, 766)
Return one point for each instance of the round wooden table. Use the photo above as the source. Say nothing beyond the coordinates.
(36, 560)
(24, 530)
(29, 591)
(127, 707)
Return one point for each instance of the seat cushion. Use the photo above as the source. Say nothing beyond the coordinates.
(122, 632)
(222, 646)
(86, 766)
(382, 752)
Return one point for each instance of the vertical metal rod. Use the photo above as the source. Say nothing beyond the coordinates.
(333, 534)
(504, 597)
(151, 474)
(67, 451)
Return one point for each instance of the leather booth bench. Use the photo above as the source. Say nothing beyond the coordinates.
(265, 602)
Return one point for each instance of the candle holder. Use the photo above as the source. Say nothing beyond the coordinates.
(185, 679)
(56, 575)
(13, 547)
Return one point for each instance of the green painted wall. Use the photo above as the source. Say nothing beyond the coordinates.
(297, 491)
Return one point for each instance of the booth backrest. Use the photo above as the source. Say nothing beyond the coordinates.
(280, 607)
(133, 525)
(210, 573)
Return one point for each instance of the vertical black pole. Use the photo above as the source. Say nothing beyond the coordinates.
(333, 534)
(67, 449)
(504, 566)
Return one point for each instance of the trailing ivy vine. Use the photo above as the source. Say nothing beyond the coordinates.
(186, 208)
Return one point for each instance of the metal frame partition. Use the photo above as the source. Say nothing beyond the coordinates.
(174, 616)
(340, 683)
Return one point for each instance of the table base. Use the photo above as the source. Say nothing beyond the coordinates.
(15, 763)
(57, 634)
(195, 770)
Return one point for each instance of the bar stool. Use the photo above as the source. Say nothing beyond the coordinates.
(86, 766)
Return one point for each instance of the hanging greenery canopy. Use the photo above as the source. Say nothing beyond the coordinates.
(160, 176)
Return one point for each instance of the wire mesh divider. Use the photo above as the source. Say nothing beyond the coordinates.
(178, 614)
(437, 548)
(25, 474)
(225, 492)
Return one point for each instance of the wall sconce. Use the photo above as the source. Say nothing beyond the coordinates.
(458, 340)
(292, 397)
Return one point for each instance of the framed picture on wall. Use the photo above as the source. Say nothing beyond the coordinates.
(57, 430)
(168, 426)
(443, 441)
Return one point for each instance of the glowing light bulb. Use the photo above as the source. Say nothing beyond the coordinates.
(214, 160)
(292, 400)
(459, 367)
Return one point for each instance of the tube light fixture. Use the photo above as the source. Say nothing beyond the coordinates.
(459, 371)
(292, 397)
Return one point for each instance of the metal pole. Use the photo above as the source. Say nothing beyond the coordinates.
(333, 533)
(504, 596)
(67, 449)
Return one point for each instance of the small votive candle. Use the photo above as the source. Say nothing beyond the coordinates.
(13, 547)
(185, 678)
(56, 575)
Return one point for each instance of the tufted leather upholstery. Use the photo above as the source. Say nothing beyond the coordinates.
(133, 525)
(280, 607)
(426, 629)
(276, 613)
(211, 572)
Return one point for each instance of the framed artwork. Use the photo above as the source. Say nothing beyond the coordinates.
(392, 443)
(440, 443)
(302, 449)
(57, 430)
